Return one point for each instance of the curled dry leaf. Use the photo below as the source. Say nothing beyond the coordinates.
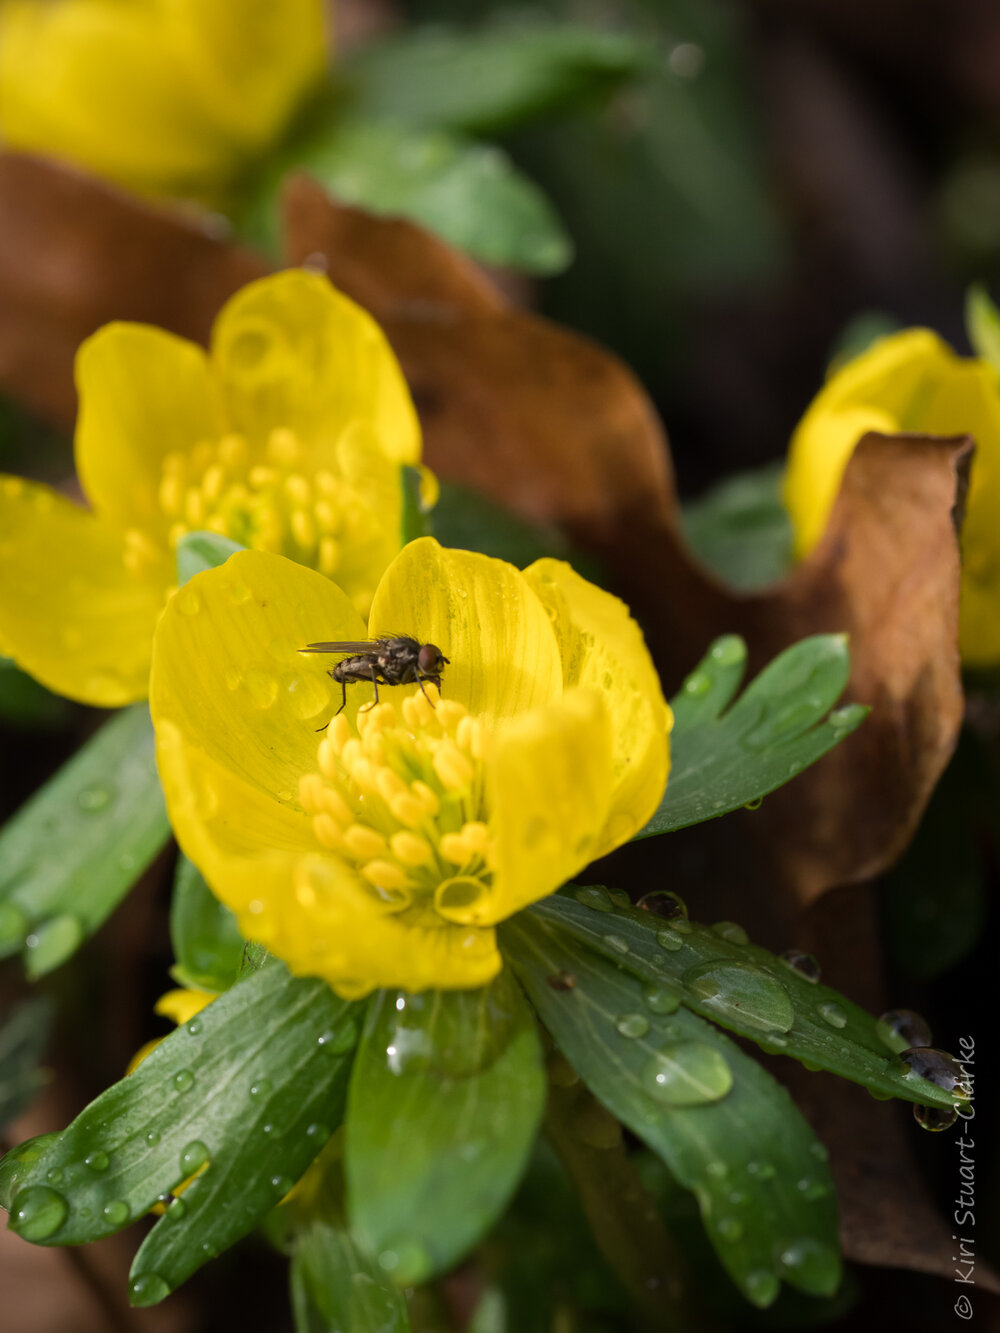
(75, 254)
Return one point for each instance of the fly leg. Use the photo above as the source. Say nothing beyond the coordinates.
(421, 677)
(343, 686)
(374, 703)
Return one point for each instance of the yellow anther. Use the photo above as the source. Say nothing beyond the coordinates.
(303, 528)
(298, 489)
(328, 831)
(390, 785)
(351, 751)
(326, 516)
(283, 447)
(450, 714)
(417, 712)
(451, 766)
(312, 790)
(364, 842)
(217, 524)
(455, 849)
(213, 481)
(407, 809)
(263, 478)
(329, 555)
(332, 801)
(177, 531)
(374, 720)
(427, 798)
(469, 736)
(364, 775)
(194, 507)
(477, 836)
(233, 451)
(306, 894)
(327, 483)
(171, 494)
(385, 875)
(411, 849)
(174, 464)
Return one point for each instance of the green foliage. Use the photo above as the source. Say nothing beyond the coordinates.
(716, 972)
(470, 194)
(251, 1088)
(780, 724)
(70, 854)
(444, 1105)
(197, 551)
(27, 705)
(470, 522)
(23, 1038)
(490, 80)
(740, 529)
(982, 322)
(725, 1128)
(335, 1285)
(206, 940)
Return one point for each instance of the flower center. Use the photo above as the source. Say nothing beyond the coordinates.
(269, 506)
(401, 799)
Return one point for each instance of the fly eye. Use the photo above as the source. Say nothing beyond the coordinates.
(429, 659)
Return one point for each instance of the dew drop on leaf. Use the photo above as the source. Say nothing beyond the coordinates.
(193, 1157)
(761, 1287)
(97, 1161)
(811, 1264)
(661, 1000)
(616, 943)
(669, 940)
(407, 1262)
(687, 1073)
(596, 898)
(95, 797)
(632, 1025)
(938, 1067)
(934, 1118)
(902, 1028)
(115, 1212)
(731, 931)
(183, 1080)
(147, 1289)
(38, 1212)
(833, 1014)
(743, 996)
(803, 963)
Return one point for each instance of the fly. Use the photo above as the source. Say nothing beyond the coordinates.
(392, 660)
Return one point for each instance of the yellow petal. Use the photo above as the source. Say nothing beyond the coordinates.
(602, 649)
(71, 612)
(483, 615)
(144, 394)
(549, 780)
(182, 1004)
(291, 352)
(228, 677)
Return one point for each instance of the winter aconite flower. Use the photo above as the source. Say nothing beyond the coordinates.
(164, 97)
(384, 851)
(288, 436)
(910, 382)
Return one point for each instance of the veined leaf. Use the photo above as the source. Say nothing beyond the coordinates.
(198, 551)
(727, 1130)
(73, 851)
(491, 80)
(242, 1097)
(716, 972)
(23, 1039)
(207, 943)
(780, 724)
(741, 530)
(445, 1101)
(336, 1286)
(468, 193)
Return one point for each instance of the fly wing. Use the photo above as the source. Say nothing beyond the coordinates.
(341, 646)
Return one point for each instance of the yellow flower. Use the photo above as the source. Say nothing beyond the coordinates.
(288, 436)
(180, 1005)
(384, 851)
(910, 382)
(164, 97)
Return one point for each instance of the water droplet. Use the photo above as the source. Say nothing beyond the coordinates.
(184, 1080)
(902, 1028)
(307, 695)
(661, 999)
(616, 943)
(406, 1261)
(13, 927)
(261, 1089)
(193, 1157)
(803, 963)
(729, 650)
(716, 1169)
(934, 1118)
(38, 1212)
(687, 1073)
(54, 1175)
(176, 1209)
(188, 601)
(938, 1067)
(153, 1138)
(282, 1184)
(147, 1289)
(698, 683)
(761, 1170)
(729, 1228)
(833, 1014)
(317, 1131)
(97, 1161)
(842, 719)
(632, 1025)
(741, 996)
(53, 942)
(115, 1212)
(731, 931)
(669, 940)
(812, 1189)
(267, 1129)
(95, 797)
(661, 902)
(194, 1027)
(812, 1265)
(682, 925)
(239, 592)
(755, 804)
(261, 687)
(761, 1287)
(341, 1039)
(596, 898)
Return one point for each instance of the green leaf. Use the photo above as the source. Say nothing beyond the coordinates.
(445, 1101)
(982, 323)
(727, 1130)
(27, 705)
(71, 853)
(469, 194)
(207, 943)
(719, 974)
(778, 726)
(336, 1286)
(23, 1039)
(492, 80)
(741, 530)
(470, 522)
(253, 1086)
(198, 551)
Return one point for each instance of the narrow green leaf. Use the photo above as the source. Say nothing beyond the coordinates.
(70, 854)
(780, 724)
(252, 1087)
(445, 1101)
(197, 551)
(470, 522)
(741, 530)
(27, 705)
(469, 194)
(727, 1130)
(719, 974)
(982, 323)
(23, 1038)
(207, 943)
(336, 1286)
(489, 81)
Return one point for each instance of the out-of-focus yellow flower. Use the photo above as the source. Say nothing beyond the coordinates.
(164, 97)
(180, 1006)
(385, 854)
(288, 436)
(911, 381)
